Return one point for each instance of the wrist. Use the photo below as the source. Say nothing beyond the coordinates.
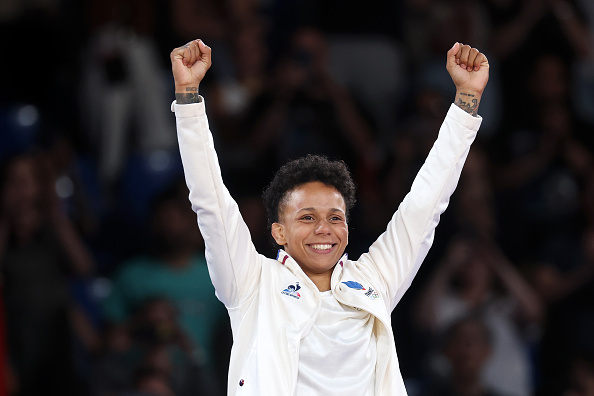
(468, 101)
(185, 94)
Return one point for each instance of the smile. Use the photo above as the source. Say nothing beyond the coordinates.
(325, 246)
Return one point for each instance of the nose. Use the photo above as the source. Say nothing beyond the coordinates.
(322, 228)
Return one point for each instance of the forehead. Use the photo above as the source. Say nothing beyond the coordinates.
(313, 195)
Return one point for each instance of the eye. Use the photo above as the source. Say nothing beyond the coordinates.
(306, 217)
(336, 219)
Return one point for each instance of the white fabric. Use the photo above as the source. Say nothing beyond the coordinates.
(338, 355)
(269, 317)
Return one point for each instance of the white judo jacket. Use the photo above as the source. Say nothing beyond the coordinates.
(272, 304)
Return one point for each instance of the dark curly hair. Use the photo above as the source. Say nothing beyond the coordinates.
(310, 168)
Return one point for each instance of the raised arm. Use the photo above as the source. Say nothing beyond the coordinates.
(398, 253)
(233, 263)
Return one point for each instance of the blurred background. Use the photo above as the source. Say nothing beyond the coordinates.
(105, 291)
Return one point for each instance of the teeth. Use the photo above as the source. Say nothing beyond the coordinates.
(322, 247)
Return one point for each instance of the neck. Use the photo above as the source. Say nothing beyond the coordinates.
(322, 281)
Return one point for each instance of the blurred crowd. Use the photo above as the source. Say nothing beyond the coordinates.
(104, 286)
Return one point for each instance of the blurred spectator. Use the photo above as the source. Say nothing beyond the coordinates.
(305, 111)
(476, 278)
(151, 354)
(231, 96)
(39, 250)
(540, 164)
(581, 380)
(76, 185)
(120, 62)
(520, 32)
(568, 293)
(173, 267)
(466, 346)
(553, 283)
(432, 27)
(112, 367)
(540, 185)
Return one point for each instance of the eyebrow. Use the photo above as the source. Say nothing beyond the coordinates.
(312, 209)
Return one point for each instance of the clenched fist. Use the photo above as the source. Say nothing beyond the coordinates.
(189, 64)
(469, 70)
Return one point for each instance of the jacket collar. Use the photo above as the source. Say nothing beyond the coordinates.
(347, 295)
(282, 257)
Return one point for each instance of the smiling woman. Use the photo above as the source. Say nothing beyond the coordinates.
(313, 322)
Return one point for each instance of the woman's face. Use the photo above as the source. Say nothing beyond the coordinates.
(312, 227)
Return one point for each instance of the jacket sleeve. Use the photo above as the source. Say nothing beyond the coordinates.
(233, 263)
(398, 253)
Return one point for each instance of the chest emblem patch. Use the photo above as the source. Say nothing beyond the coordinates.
(291, 290)
(354, 285)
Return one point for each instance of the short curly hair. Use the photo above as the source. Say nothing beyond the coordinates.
(310, 168)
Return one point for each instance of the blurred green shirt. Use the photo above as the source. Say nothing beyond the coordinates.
(188, 288)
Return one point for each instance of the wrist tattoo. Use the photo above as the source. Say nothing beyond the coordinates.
(190, 96)
(469, 107)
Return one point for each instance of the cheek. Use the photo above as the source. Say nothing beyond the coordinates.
(295, 233)
(344, 233)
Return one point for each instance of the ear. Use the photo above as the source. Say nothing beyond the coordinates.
(278, 233)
